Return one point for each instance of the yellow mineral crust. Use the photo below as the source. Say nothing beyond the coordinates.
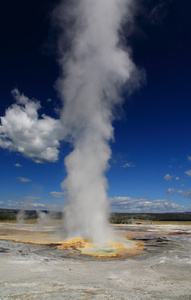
(115, 250)
(111, 249)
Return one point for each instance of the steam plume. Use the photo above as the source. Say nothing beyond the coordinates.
(94, 70)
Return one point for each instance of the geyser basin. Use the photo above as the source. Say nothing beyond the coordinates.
(135, 240)
(74, 247)
(46, 272)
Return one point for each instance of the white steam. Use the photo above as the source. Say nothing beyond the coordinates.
(94, 68)
(20, 218)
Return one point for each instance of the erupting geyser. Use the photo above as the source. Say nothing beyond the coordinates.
(95, 68)
(95, 65)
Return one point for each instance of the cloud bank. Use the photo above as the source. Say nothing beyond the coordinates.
(142, 205)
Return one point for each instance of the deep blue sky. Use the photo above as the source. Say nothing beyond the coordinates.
(152, 137)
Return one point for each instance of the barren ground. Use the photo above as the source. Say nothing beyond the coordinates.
(162, 271)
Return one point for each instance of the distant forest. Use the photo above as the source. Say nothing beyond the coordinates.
(115, 218)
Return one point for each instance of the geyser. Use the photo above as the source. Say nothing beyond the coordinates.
(95, 65)
(95, 68)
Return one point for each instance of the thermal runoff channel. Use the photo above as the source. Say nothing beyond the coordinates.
(95, 66)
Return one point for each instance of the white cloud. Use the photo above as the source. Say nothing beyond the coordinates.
(57, 194)
(128, 204)
(188, 172)
(177, 178)
(32, 197)
(18, 165)
(186, 194)
(22, 130)
(37, 205)
(189, 194)
(23, 179)
(170, 191)
(189, 157)
(15, 204)
(168, 177)
(128, 165)
(118, 201)
(181, 192)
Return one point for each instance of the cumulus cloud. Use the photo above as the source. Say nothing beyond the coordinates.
(138, 205)
(128, 165)
(177, 178)
(189, 158)
(23, 131)
(181, 192)
(18, 165)
(36, 205)
(168, 177)
(170, 191)
(57, 194)
(23, 179)
(188, 172)
(186, 194)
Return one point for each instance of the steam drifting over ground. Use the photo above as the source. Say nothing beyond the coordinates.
(94, 68)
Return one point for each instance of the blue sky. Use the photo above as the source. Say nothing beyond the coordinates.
(150, 168)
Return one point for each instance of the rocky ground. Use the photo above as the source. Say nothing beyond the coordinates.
(162, 271)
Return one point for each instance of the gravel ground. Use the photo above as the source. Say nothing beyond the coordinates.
(42, 272)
